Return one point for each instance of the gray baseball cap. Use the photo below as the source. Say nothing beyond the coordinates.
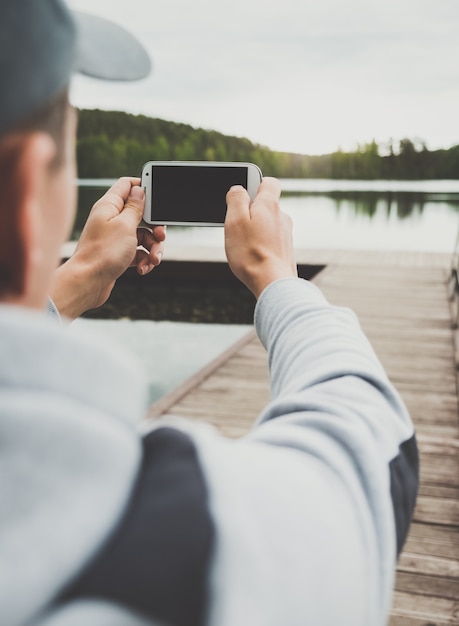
(42, 43)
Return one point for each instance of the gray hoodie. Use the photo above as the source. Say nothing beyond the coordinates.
(299, 522)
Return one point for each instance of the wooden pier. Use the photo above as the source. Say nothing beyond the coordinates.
(402, 303)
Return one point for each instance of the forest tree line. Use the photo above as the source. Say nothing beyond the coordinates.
(113, 143)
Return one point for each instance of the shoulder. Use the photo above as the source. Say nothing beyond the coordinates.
(161, 549)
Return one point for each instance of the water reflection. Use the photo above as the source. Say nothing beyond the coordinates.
(428, 220)
(402, 205)
(392, 203)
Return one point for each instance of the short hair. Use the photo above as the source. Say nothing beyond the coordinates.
(50, 119)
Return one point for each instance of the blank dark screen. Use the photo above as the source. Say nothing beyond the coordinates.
(194, 193)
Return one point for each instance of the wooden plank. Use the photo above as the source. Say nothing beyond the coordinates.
(426, 585)
(439, 474)
(430, 547)
(434, 429)
(431, 406)
(413, 609)
(377, 259)
(431, 565)
(439, 445)
(431, 488)
(446, 535)
(437, 510)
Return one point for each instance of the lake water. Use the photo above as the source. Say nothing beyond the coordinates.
(364, 215)
(375, 215)
(169, 352)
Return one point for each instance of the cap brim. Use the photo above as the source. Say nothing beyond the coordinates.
(106, 50)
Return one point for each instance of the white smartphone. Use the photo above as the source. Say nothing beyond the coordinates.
(193, 193)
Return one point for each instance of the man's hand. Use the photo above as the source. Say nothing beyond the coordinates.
(107, 247)
(258, 237)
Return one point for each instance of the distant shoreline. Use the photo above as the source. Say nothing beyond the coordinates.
(318, 185)
(112, 143)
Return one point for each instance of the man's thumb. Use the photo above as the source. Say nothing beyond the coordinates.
(135, 204)
(137, 193)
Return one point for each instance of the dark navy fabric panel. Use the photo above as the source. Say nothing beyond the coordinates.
(404, 479)
(156, 563)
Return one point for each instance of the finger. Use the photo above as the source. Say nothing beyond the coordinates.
(270, 185)
(115, 197)
(142, 262)
(268, 194)
(133, 209)
(122, 187)
(238, 203)
(159, 233)
(152, 244)
(145, 260)
(156, 252)
(147, 237)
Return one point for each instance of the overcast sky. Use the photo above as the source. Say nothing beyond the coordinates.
(304, 76)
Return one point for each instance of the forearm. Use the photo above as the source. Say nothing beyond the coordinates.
(313, 346)
(72, 290)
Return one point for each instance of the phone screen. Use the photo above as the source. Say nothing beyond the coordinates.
(195, 193)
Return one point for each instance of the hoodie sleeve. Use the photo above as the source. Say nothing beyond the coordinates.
(52, 311)
(320, 361)
(312, 506)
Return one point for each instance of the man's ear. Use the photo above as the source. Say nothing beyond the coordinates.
(38, 151)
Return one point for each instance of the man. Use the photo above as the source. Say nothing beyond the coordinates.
(298, 523)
